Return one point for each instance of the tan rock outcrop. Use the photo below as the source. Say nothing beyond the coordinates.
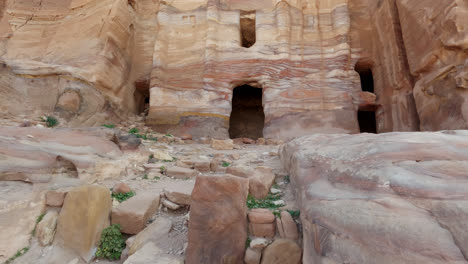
(411, 187)
(282, 251)
(85, 213)
(45, 229)
(218, 220)
(133, 213)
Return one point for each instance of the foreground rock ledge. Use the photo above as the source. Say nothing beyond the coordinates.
(388, 198)
(218, 220)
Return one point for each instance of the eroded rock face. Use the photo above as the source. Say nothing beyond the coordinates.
(85, 213)
(389, 198)
(218, 220)
(39, 154)
(438, 58)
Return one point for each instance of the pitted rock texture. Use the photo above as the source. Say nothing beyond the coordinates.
(390, 198)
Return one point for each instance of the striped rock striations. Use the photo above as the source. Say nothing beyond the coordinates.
(93, 61)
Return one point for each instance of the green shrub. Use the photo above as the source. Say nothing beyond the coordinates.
(247, 242)
(50, 121)
(162, 169)
(123, 196)
(18, 254)
(225, 164)
(111, 244)
(38, 219)
(294, 213)
(133, 130)
(267, 202)
(145, 176)
(109, 125)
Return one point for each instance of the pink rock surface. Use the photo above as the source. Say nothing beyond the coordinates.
(389, 198)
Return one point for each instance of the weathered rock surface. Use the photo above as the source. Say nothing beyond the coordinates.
(39, 154)
(260, 182)
(19, 208)
(282, 251)
(180, 195)
(85, 213)
(181, 173)
(155, 233)
(252, 256)
(150, 253)
(45, 230)
(218, 220)
(389, 198)
(226, 144)
(132, 214)
(287, 227)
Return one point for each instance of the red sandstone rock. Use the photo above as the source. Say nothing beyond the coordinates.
(226, 144)
(286, 226)
(55, 198)
(262, 230)
(260, 182)
(248, 141)
(121, 188)
(218, 220)
(133, 213)
(282, 251)
(261, 216)
(181, 173)
(252, 256)
(399, 197)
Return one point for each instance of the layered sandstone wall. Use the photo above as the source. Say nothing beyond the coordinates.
(302, 59)
(52, 48)
(93, 61)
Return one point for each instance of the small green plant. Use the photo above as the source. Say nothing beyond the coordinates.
(247, 242)
(18, 254)
(145, 176)
(169, 160)
(141, 136)
(151, 156)
(156, 178)
(50, 121)
(287, 179)
(294, 213)
(153, 138)
(133, 130)
(109, 125)
(162, 169)
(225, 164)
(123, 196)
(38, 219)
(111, 244)
(168, 135)
(277, 213)
(267, 202)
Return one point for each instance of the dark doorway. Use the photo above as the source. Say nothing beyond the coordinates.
(367, 122)
(247, 28)
(247, 116)
(367, 79)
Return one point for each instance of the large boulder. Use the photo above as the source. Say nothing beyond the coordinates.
(133, 213)
(387, 198)
(218, 220)
(85, 213)
(282, 251)
(155, 233)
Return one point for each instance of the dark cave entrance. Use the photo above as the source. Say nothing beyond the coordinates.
(367, 78)
(247, 28)
(367, 121)
(247, 116)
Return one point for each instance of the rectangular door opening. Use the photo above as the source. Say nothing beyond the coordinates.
(247, 116)
(367, 122)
